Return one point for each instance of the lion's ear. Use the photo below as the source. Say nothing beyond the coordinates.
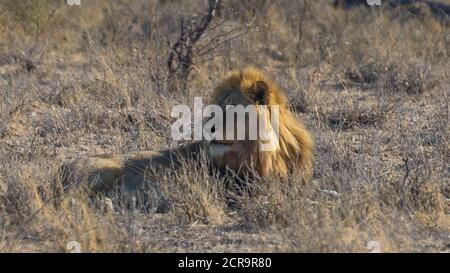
(261, 93)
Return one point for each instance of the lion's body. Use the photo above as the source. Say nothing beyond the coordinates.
(109, 171)
(293, 152)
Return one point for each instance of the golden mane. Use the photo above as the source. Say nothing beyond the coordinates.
(295, 151)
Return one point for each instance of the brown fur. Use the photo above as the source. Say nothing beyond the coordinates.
(294, 153)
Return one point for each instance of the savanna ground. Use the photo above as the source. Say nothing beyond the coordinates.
(372, 87)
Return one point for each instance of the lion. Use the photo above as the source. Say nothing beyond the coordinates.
(291, 154)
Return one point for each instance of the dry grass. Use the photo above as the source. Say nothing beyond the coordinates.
(373, 88)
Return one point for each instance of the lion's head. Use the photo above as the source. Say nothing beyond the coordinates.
(291, 149)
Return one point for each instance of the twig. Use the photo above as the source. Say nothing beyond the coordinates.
(182, 52)
(304, 7)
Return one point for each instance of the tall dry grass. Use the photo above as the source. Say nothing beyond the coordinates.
(373, 88)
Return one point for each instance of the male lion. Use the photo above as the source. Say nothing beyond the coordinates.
(292, 153)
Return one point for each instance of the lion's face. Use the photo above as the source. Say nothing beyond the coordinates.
(255, 147)
(280, 150)
(235, 153)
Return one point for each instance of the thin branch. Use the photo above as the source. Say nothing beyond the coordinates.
(183, 50)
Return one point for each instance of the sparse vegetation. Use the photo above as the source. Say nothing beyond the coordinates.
(372, 87)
